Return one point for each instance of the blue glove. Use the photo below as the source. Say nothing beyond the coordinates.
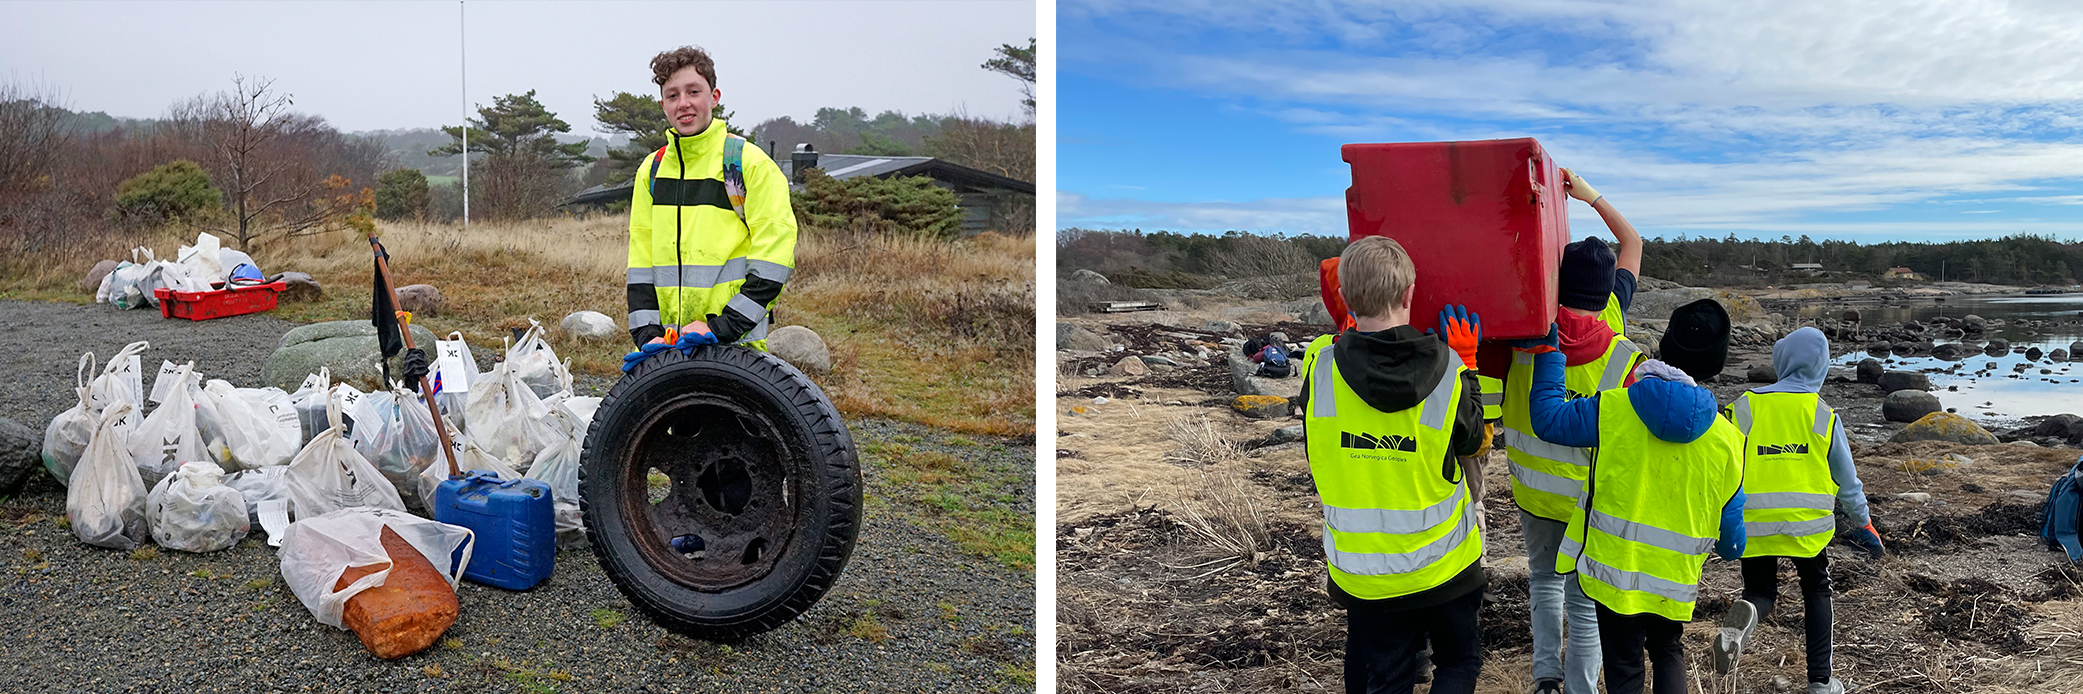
(1868, 540)
(1551, 343)
(630, 360)
(689, 341)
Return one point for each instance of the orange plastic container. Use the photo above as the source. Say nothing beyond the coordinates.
(1484, 221)
(230, 301)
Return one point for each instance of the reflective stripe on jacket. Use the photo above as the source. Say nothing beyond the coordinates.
(1650, 513)
(1493, 396)
(1397, 515)
(1547, 477)
(1788, 492)
(691, 258)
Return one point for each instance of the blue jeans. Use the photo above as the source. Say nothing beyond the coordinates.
(1550, 593)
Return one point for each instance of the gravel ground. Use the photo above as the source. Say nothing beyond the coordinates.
(911, 613)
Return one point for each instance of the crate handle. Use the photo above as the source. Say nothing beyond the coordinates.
(1533, 178)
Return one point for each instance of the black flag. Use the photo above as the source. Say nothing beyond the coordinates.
(384, 316)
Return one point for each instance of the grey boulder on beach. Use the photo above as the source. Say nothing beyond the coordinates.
(348, 348)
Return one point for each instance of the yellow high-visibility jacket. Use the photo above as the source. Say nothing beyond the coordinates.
(690, 256)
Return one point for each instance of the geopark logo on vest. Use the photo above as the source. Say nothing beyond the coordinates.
(1369, 442)
(1784, 448)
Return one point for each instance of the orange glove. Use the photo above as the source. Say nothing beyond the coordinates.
(1461, 329)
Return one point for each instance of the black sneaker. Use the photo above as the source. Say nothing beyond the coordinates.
(1548, 686)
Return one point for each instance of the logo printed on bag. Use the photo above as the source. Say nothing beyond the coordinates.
(1782, 449)
(172, 449)
(1392, 442)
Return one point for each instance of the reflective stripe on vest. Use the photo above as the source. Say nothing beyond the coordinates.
(1789, 494)
(1546, 477)
(1394, 523)
(1493, 396)
(1651, 510)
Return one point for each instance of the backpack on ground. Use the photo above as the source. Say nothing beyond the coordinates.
(2065, 513)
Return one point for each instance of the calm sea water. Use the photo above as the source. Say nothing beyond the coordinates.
(1986, 388)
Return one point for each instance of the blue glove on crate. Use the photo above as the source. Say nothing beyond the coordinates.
(691, 340)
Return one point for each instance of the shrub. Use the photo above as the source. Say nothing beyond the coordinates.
(402, 194)
(907, 204)
(175, 191)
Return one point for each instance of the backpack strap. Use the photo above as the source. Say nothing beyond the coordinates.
(734, 172)
(656, 159)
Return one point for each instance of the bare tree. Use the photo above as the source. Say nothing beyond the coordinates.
(32, 132)
(252, 134)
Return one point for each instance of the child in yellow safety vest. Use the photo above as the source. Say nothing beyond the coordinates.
(1390, 416)
(1797, 470)
(1664, 487)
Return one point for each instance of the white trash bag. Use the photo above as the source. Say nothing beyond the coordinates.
(329, 475)
(309, 401)
(236, 435)
(275, 404)
(468, 457)
(193, 511)
(70, 432)
(395, 432)
(201, 261)
(105, 500)
(170, 436)
(532, 359)
(258, 486)
(455, 368)
(134, 281)
(317, 550)
(506, 418)
(558, 466)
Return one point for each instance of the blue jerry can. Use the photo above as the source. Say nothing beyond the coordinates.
(515, 522)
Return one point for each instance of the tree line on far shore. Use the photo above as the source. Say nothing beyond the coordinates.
(1173, 260)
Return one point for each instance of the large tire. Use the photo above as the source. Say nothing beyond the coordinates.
(764, 491)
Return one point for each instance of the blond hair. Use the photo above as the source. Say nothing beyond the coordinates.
(1374, 274)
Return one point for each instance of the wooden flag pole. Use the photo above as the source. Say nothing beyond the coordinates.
(383, 273)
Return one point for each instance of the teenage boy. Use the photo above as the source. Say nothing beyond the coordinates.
(1594, 287)
(1392, 418)
(712, 234)
(1797, 468)
(1665, 484)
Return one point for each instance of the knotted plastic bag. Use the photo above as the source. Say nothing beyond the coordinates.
(329, 475)
(558, 466)
(318, 549)
(193, 511)
(536, 363)
(70, 432)
(105, 501)
(170, 436)
(506, 418)
(395, 432)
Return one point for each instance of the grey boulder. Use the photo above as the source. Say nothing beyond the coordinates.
(299, 287)
(1869, 371)
(590, 325)
(422, 299)
(347, 349)
(1243, 380)
(801, 347)
(1074, 337)
(1762, 373)
(92, 282)
(21, 454)
(1903, 380)
(1908, 405)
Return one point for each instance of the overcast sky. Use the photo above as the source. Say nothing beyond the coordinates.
(381, 65)
(1870, 120)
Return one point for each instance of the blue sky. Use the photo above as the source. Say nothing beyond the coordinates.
(1850, 119)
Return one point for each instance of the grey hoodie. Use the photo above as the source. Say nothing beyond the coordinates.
(1803, 360)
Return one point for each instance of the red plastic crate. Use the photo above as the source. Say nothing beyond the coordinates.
(230, 301)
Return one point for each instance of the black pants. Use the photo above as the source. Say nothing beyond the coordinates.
(1761, 588)
(1382, 647)
(1621, 637)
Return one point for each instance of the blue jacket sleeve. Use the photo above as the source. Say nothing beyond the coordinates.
(1851, 493)
(1555, 420)
(1733, 537)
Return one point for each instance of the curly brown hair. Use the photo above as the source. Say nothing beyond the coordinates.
(665, 64)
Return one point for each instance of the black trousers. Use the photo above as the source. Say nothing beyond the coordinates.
(1621, 637)
(1382, 647)
(1761, 588)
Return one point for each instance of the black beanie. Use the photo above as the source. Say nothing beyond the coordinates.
(1697, 340)
(1586, 278)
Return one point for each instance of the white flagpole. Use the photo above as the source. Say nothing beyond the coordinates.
(463, 57)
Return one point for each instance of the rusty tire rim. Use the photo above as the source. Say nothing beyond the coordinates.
(724, 514)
